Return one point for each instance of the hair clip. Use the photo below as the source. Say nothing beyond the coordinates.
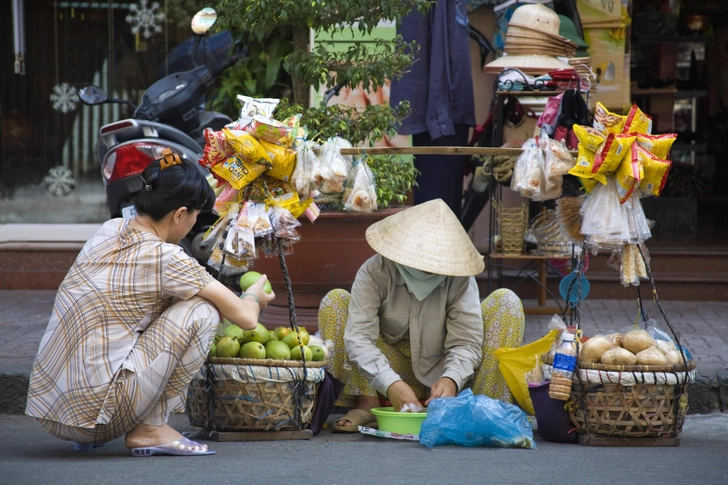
(168, 159)
(146, 185)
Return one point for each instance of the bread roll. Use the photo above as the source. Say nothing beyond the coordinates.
(618, 356)
(615, 338)
(638, 340)
(673, 357)
(592, 350)
(665, 346)
(651, 356)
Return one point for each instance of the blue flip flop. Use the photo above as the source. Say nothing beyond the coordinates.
(83, 448)
(183, 447)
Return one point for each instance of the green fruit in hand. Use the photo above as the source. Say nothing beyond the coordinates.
(296, 353)
(233, 331)
(227, 347)
(277, 350)
(258, 334)
(291, 340)
(250, 278)
(272, 336)
(252, 350)
(282, 331)
(318, 353)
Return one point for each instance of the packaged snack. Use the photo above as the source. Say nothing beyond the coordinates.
(333, 167)
(280, 194)
(360, 192)
(607, 122)
(628, 175)
(226, 264)
(587, 184)
(255, 106)
(639, 226)
(637, 122)
(608, 159)
(297, 134)
(216, 148)
(238, 171)
(584, 163)
(282, 159)
(267, 129)
(305, 206)
(528, 174)
(591, 138)
(257, 218)
(285, 224)
(605, 220)
(557, 161)
(248, 147)
(655, 172)
(658, 145)
(240, 242)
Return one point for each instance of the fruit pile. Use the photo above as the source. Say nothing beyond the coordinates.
(261, 343)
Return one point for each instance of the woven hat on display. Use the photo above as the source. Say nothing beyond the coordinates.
(427, 237)
(533, 64)
(536, 17)
(568, 30)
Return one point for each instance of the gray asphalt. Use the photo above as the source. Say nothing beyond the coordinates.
(31, 456)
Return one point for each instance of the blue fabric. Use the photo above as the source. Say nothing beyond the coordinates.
(439, 85)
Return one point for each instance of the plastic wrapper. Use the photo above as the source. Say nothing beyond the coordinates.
(609, 158)
(655, 172)
(216, 148)
(248, 147)
(297, 135)
(280, 194)
(628, 175)
(637, 121)
(470, 420)
(658, 145)
(605, 219)
(227, 265)
(591, 138)
(608, 122)
(238, 171)
(584, 163)
(284, 224)
(558, 160)
(258, 217)
(307, 163)
(360, 191)
(639, 226)
(633, 266)
(282, 159)
(267, 129)
(240, 239)
(333, 167)
(588, 184)
(250, 107)
(528, 176)
(228, 195)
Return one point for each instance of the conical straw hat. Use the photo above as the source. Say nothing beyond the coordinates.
(534, 64)
(526, 31)
(536, 17)
(427, 237)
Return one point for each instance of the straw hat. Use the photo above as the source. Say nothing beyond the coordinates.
(533, 64)
(526, 31)
(427, 237)
(536, 17)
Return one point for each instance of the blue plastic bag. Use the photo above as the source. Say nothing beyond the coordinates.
(469, 420)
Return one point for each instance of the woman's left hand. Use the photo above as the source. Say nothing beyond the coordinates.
(444, 387)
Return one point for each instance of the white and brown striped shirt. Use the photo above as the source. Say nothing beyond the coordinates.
(121, 281)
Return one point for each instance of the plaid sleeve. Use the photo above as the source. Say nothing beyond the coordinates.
(184, 276)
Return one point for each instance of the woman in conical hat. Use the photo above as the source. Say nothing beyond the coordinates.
(413, 326)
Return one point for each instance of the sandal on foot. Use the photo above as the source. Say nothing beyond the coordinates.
(183, 447)
(357, 417)
(83, 448)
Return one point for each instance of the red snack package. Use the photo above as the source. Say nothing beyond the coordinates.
(216, 148)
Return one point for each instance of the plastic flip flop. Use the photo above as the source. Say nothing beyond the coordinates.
(183, 447)
(570, 285)
(82, 448)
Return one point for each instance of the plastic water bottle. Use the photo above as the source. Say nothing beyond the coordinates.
(564, 366)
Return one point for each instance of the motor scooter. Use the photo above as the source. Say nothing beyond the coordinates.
(169, 116)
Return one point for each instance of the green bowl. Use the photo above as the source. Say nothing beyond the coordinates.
(402, 423)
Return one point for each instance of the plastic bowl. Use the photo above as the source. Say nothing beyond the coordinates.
(402, 423)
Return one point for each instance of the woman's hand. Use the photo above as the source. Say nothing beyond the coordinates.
(257, 290)
(444, 387)
(399, 394)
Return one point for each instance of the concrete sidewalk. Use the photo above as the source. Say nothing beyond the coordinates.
(702, 326)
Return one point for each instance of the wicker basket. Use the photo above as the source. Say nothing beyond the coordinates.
(247, 394)
(631, 404)
(512, 226)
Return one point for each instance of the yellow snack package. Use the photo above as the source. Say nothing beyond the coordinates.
(628, 175)
(248, 147)
(282, 159)
(655, 172)
(590, 137)
(300, 207)
(607, 122)
(584, 163)
(637, 122)
(610, 156)
(587, 184)
(238, 171)
(280, 194)
(658, 145)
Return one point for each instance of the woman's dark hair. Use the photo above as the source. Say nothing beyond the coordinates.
(166, 190)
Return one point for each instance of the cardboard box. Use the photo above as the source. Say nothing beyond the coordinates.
(611, 64)
(599, 11)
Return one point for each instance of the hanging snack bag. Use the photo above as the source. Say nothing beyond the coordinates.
(528, 175)
(637, 122)
(280, 194)
(238, 171)
(607, 122)
(216, 148)
(284, 224)
(584, 163)
(334, 166)
(360, 192)
(282, 159)
(302, 177)
(297, 134)
(248, 147)
(655, 172)
(629, 175)
(558, 161)
(608, 159)
(255, 106)
(267, 129)
(658, 145)
(591, 138)
(587, 184)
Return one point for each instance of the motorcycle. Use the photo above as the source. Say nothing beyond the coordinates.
(169, 116)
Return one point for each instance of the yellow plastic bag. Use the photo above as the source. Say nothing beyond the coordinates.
(515, 362)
